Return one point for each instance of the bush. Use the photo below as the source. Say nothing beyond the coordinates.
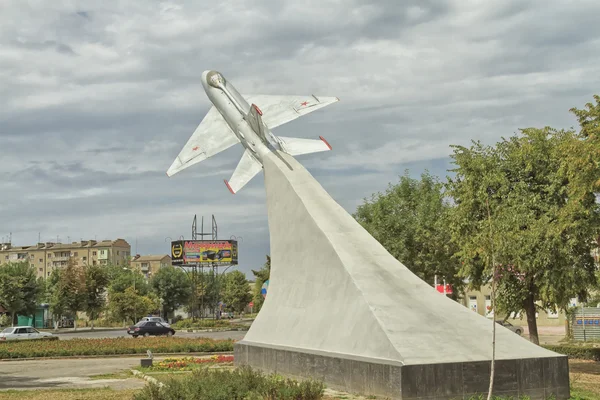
(85, 347)
(46, 339)
(241, 383)
(582, 352)
(200, 324)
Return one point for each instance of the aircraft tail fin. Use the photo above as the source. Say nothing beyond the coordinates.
(246, 169)
(254, 118)
(297, 146)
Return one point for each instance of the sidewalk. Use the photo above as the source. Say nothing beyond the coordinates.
(547, 330)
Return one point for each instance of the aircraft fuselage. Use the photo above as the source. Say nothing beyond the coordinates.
(234, 109)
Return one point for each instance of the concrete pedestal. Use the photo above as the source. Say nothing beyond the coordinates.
(342, 309)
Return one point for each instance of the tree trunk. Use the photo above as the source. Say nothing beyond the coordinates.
(15, 319)
(531, 321)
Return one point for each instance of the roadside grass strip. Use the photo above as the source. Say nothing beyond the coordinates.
(112, 346)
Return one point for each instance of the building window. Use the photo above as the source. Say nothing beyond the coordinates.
(84, 258)
(94, 262)
(41, 260)
(118, 252)
(48, 273)
(93, 253)
(40, 269)
(75, 254)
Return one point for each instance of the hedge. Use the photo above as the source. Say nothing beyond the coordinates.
(580, 352)
(86, 347)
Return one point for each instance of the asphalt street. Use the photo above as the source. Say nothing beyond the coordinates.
(236, 335)
(71, 373)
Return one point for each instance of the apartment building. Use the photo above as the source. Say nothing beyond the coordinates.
(149, 265)
(45, 257)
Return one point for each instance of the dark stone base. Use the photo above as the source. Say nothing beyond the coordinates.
(538, 378)
(146, 362)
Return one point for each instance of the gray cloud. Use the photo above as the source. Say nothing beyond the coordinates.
(98, 99)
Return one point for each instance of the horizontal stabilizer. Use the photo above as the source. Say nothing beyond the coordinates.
(246, 169)
(297, 146)
(212, 136)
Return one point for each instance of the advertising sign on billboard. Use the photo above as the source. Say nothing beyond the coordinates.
(219, 252)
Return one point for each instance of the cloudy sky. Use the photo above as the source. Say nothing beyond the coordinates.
(97, 99)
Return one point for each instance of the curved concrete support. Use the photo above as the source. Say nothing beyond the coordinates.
(336, 293)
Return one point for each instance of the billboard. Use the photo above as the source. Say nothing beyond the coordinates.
(219, 252)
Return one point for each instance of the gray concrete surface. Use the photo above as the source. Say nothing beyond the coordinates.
(71, 373)
(334, 288)
(336, 294)
(236, 335)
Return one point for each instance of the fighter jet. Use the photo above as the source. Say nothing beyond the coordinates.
(248, 120)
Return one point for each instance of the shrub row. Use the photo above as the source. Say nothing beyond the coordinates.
(581, 352)
(85, 347)
(237, 384)
(200, 324)
(46, 339)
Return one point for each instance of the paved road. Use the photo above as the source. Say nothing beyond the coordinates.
(236, 335)
(72, 373)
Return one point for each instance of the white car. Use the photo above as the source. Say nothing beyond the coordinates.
(22, 333)
(155, 319)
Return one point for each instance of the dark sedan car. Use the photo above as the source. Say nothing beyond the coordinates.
(147, 328)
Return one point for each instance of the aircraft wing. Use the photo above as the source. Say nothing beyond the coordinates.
(212, 136)
(278, 110)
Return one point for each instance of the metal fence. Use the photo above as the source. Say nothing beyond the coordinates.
(586, 323)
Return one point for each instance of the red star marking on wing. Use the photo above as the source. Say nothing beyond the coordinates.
(304, 103)
(195, 148)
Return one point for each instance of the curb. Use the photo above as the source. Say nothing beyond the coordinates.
(83, 357)
(146, 377)
(83, 330)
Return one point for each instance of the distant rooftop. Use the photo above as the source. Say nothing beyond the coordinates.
(58, 246)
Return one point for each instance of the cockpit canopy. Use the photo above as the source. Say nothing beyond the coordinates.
(215, 79)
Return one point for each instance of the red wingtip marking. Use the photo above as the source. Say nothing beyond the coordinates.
(228, 187)
(257, 109)
(325, 141)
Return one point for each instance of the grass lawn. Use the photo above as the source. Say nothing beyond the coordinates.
(68, 394)
(585, 379)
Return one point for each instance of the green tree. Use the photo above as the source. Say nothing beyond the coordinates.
(411, 221)
(260, 277)
(96, 281)
(19, 289)
(129, 305)
(121, 278)
(69, 293)
(53, 296)
(173, 287)
(542, 222)
(236, 291)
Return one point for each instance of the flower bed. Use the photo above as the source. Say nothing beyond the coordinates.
(84, 347)
(190, 363)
